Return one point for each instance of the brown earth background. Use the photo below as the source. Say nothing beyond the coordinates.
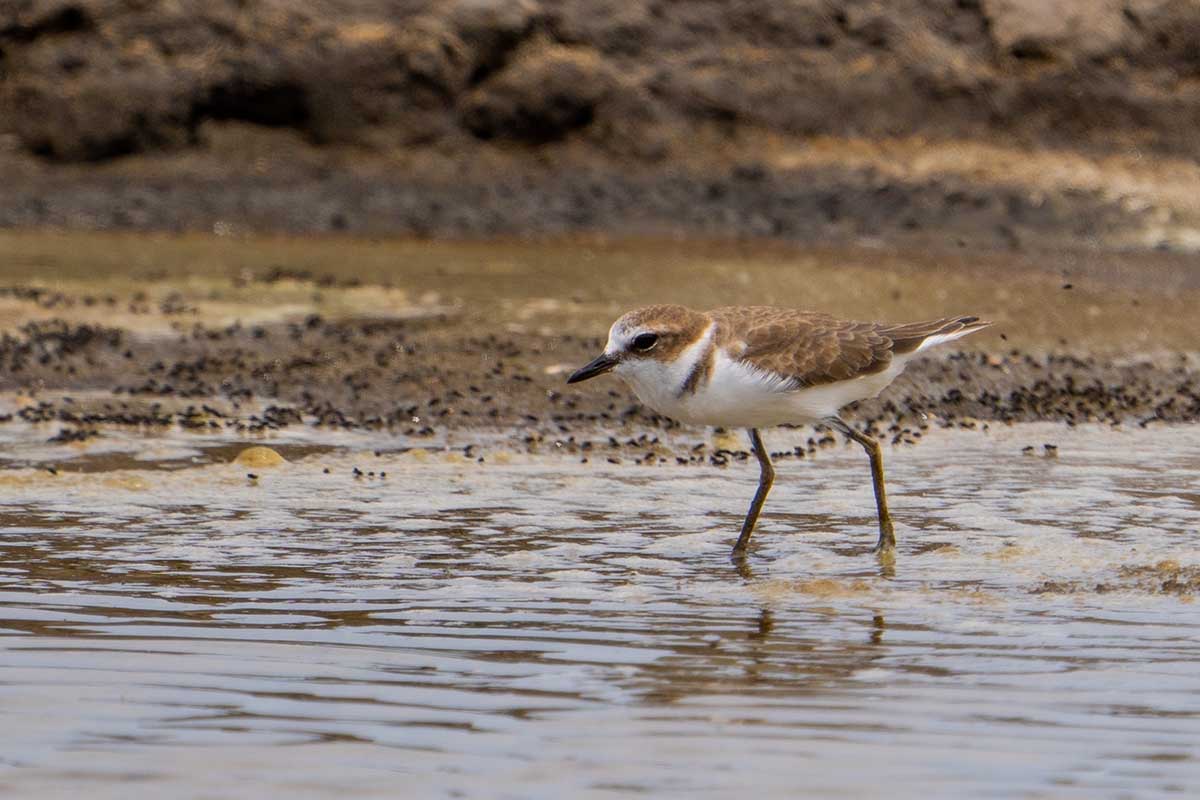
(992, 123)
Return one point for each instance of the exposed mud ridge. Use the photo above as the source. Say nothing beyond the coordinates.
(746, 200)
(486, 116)
(1165, 577)
(425, 377)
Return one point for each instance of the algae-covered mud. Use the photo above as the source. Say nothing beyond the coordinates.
(322, 517)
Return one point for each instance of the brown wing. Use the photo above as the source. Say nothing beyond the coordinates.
(813, 348)
(808, 347)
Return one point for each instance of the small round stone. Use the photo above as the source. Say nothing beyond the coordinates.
(259, 457)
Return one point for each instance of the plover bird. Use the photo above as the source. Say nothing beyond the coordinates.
(756, 366)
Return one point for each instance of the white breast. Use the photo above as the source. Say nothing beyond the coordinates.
(739, 395)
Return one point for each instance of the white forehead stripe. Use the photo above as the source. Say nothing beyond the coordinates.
(618, 336)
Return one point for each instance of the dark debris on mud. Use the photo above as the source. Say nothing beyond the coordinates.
(425, 377)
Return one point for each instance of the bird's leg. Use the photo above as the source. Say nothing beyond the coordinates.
(766, 477)
(887, 534)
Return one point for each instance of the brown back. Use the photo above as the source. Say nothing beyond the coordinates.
(814, 349)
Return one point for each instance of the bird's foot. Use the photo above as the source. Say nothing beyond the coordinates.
(887, 539)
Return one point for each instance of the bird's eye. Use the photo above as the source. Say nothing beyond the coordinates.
(644, 342)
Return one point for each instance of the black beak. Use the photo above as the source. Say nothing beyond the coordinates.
(597, 366)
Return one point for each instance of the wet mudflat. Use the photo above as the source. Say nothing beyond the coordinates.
(533, 626)
(464, 578)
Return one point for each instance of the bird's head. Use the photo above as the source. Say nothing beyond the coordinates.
(645, 341)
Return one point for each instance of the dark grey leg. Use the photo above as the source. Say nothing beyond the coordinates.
(766, 477)
(887, 534)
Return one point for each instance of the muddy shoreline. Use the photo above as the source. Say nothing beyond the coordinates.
(481, 339)
(420, 378)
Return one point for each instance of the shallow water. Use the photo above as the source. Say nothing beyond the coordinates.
(531, 626)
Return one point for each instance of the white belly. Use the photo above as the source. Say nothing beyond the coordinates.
(737, 395)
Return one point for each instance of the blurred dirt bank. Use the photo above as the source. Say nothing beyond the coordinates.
(1011, 124)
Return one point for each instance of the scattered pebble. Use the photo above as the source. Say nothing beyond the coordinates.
(259, 456)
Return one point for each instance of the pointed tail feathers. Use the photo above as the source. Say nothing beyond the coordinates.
(918, 336)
